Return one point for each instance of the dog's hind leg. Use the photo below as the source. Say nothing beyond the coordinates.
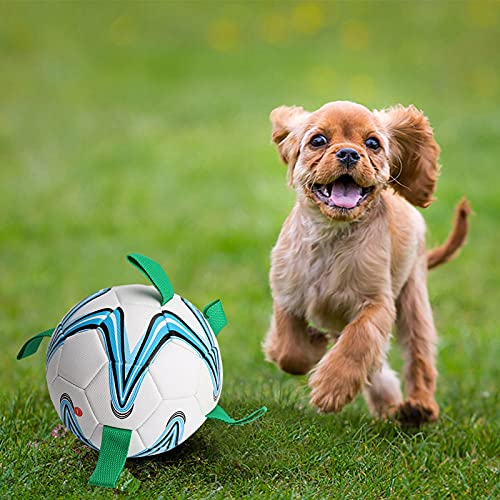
(291, 344)
(417, 335)
(383, 392)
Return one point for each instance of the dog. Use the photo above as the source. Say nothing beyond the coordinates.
(351, 259)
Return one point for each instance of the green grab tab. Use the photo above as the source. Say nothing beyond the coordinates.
(112, 456)
(32, 345)
(215, 315)
(155, 273)
(218, 413)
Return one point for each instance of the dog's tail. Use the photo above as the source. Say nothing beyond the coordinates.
(456, 240)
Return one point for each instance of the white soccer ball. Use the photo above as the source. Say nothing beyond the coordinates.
(119, 358)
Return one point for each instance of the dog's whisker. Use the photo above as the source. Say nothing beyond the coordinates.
(395, 179)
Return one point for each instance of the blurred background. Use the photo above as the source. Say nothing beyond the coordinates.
(143, 126)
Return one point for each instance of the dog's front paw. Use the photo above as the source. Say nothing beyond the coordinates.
(334, 384)
(317, 344)
(413, 413)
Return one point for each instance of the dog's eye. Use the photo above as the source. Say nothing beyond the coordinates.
(372, 143)
(318, 140)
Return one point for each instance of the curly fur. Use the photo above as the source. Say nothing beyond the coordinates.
(348, 276)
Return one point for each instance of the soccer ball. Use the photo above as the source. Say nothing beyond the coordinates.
(135, 370)
(121, 359)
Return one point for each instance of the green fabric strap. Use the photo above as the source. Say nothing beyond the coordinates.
(32, 345)
(218, 413)
(155, 273)
(214, 312)
(112, 457)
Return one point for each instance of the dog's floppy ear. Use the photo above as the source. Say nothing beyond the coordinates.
(413, 154)
(286, 121)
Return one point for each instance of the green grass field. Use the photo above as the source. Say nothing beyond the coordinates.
(144, 127)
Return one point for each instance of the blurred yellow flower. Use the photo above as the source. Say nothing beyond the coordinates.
(485, 82)
(321, 81)
(273, 28)
(308, 17)
(363, 88)
(223, 35)
(482, 14)
(355, 35)
(5, 125)
(123, 31)
(19, 36)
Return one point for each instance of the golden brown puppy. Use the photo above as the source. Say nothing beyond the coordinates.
(351, 259)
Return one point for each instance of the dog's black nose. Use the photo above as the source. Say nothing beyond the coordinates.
(348, 156)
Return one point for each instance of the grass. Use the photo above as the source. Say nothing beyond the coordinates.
(143, 127)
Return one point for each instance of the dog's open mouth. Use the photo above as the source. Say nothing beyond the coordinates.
(343, 192)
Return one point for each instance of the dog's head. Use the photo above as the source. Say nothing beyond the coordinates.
(343, 155)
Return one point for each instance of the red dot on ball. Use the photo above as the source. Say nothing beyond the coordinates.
(78, 411)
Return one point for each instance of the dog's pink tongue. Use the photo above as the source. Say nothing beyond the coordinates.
(345, 195)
